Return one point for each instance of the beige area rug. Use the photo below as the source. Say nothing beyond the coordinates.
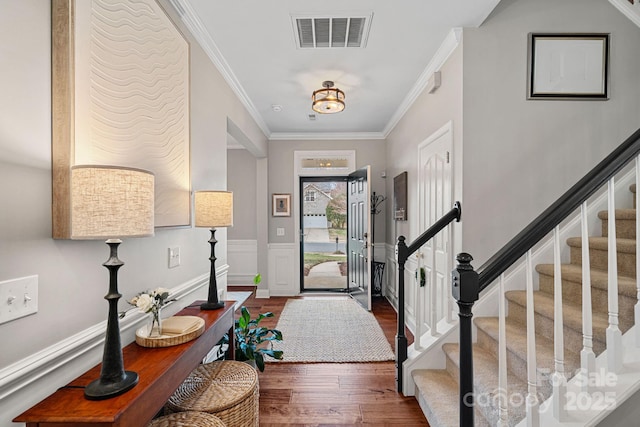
(330, 330)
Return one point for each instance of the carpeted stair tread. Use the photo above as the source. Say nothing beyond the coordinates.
(571, 313)
(517, 345)
(599, 278)
(439, 397)
(625, 223)
(620, 214)
(485, 382)
(602, 243)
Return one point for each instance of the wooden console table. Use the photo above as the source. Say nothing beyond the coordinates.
(161, 371)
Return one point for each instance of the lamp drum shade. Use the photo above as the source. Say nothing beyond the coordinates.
(214, 208)
(111, 202)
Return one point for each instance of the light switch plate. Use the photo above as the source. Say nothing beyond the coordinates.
(18, 298)
(174, 257)
(279, 231)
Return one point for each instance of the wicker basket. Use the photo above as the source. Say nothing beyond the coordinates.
(187, 419)
(226, 389)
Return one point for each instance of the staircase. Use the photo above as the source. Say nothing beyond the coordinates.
(437, 390)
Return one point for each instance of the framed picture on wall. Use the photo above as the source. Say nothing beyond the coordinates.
(568, 66)
(400, 197)
(281, 204)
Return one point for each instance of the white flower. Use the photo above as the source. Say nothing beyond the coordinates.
(151, 301)
(159, 291)
(144, 302)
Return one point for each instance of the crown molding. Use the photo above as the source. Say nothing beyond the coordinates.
(310, 136)
(630, 11)
(445, 50)
(197, 29)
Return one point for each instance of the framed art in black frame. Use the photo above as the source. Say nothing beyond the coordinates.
(400, 197)
(569, 66)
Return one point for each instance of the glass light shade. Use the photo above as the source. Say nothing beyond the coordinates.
(111, 202)
(328, 100)
(214, 208)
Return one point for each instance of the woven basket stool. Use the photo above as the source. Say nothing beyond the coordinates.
(226, 389)
(187, 419)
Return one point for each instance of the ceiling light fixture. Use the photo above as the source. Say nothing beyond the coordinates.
(328, 100)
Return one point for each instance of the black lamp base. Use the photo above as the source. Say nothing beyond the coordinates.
(211, 305)
(99, 390)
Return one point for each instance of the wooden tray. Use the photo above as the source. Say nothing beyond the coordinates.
(167, 340)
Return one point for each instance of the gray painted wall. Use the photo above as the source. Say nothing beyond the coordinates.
(520, 155)
(429, 113)
(72, 281)
(281, 176)
(241, 179)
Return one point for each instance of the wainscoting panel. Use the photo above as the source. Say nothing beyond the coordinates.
(282, 272)
(243, 261)
(25, 383)
(390, 274)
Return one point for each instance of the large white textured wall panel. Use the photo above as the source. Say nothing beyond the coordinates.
(132, 97)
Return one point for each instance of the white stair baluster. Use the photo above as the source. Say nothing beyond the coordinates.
(637, 204)
(533, 414)
(614, 336)
(433, 289)
(503, 395)
(559, 380)
(420, 303)
(449, 295)
(587, 356)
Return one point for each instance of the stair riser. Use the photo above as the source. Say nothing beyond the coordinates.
(572, 291)
(625, 228)
(516, 363)
(598, 259)
(490, 411)
(544, 326)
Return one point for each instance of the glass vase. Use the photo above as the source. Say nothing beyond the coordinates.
(155, 324)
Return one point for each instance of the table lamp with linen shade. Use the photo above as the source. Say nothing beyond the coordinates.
(110, 202)
(213, 209)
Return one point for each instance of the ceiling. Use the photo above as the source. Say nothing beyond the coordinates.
(253, 44)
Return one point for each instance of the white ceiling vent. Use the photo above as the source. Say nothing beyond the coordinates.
(343, 31)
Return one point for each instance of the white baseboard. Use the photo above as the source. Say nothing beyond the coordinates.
(262, 293)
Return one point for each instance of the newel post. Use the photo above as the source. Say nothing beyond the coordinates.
(402, 253)
(465, 291)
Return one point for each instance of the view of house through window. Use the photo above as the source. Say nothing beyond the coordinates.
(324, 225)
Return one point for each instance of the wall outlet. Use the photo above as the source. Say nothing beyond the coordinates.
(18, 298)
(174, 257)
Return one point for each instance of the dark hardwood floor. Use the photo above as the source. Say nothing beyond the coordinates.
(333, 394)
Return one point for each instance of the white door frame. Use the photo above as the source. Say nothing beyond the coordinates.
(299, 158)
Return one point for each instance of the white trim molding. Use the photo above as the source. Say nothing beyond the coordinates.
(282, 275)
(197, 28)
(631, 11)
(242, 256)
(36, 376)
(445, 50)
(329, 136)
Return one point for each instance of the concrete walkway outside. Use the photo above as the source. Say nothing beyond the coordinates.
(325, 276)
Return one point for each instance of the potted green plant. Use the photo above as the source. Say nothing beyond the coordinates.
(250, 337)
